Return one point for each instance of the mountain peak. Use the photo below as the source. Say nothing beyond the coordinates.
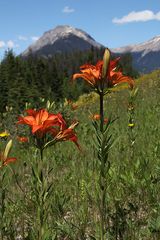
(60, 29)
(63, 38)
(146, 55)
(145, 47)
(156, 37)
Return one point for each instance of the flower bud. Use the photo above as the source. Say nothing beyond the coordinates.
(106, 59)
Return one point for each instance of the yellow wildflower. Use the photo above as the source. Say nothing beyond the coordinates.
(4, 134)
(131, 125)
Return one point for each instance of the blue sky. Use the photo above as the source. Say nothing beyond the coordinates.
(112, 23)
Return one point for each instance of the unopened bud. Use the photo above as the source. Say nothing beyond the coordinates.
(106, 59)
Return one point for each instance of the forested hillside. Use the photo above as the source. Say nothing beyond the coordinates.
(27, 80)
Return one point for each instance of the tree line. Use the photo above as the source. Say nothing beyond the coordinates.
(28, 80)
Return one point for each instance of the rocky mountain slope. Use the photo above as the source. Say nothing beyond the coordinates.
(146, 56)
(64, 38)
(61, 39)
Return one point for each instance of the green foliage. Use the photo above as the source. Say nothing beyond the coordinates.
(27, 80)
(133, 194)
(127, 66)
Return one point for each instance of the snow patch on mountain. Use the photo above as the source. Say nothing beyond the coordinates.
(146, 47)
(59, 33)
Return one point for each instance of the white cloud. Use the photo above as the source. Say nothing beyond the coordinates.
(141, 16)
(11, 44)
(34, 38)
(22, 38)
(68, 10)
(2, 44)
(8, 44)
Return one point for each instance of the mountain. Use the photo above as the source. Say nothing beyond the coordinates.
(61, 39)
(146, 56)
(64, 38)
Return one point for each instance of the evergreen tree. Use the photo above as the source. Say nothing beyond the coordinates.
(28, 80)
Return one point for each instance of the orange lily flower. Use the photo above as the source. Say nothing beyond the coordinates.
(72, 105)
(90, 73)
(6, 161)
(40, 121)
(93, 75)
(97, 117)
(65, 133)
(22, 139)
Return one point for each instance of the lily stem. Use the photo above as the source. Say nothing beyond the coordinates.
(41, 202)
(2, 208)
(101, 111)
(102, 174)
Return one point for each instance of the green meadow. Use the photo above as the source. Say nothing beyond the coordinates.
(71, 199)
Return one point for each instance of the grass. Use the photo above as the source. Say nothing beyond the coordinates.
(133, 190)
